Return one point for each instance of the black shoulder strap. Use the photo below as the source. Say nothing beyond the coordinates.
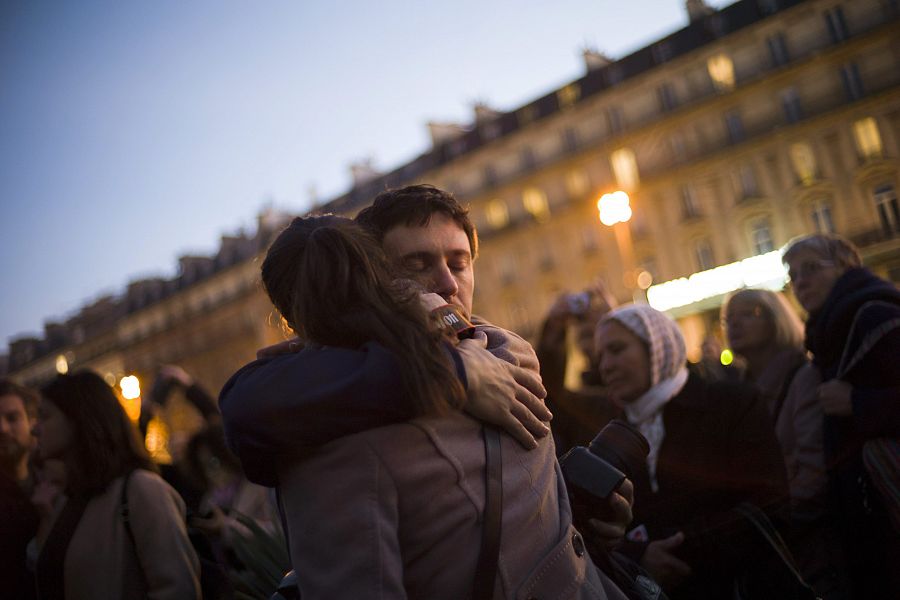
(133, 575)
(765, 528)
(123, 507)
(49, 570)
(489, 556)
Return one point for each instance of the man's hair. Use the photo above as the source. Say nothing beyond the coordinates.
(826, 246)
(413, 205)
(29, 397)
(787, 326)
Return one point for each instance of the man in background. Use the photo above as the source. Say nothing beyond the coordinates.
(18, 518)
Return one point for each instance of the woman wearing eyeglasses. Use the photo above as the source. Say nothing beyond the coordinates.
(853, 334)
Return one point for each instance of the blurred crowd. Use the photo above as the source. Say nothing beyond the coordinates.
(774, 476)
(86, 513)
(803, 425)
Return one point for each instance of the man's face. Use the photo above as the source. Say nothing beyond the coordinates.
(437, 256)
(15, 430)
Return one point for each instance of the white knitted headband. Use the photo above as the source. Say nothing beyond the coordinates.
(659, 332)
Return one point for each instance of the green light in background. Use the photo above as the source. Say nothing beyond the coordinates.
(727, 357)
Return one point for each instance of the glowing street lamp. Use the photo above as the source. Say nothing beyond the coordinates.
(614, 208)
(615, 212)
(131, 387)
(131, 396)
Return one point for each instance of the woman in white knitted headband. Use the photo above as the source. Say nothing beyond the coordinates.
(712, 447)
(642, 362)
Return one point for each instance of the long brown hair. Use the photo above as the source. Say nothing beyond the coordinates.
(105, 445)
(331, 281)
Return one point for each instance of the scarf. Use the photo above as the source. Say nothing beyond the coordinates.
(668, 374)
(828, 329)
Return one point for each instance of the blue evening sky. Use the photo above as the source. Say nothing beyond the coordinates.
(132, 132)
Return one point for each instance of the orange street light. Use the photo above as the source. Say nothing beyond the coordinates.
(131, 397)
(615, 212)
(614, 208)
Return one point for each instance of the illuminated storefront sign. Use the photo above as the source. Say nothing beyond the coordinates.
(762, 271)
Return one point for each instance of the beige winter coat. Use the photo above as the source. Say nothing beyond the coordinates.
(101, 552)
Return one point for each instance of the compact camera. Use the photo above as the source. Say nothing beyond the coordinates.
(578, 304)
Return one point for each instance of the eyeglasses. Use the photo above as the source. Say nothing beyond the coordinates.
(754, 313)
(809, 268)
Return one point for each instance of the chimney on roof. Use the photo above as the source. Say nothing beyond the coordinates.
(363, 171)
(444, 132)
(271, 219)
(697, 9)
(594, 59)
(484, 113)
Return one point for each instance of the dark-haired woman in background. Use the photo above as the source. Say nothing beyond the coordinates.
(396, 511)
(91, 551)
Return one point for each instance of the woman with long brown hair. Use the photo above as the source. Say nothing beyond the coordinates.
(121, 532)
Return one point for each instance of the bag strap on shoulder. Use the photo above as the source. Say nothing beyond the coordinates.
(489, 555)
(764, 526)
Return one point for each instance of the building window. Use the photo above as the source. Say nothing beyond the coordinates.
(747, 183)
(526, 157)
(716, 24)
(506, 269)
(761, 236)
(804, 162)
(767, 7)
(853, 85)
(546, 260)
(868, 139)
(837, 26)
(590, 239)
(677, 148)
(703, 255)
(490, 176)
(690, 208)
(885, 197)
(535, 202)
(638, 224)
(735, 125)
(497, 214)
(625, 168)
(790, 102)
(820, 213)
(667, 99)
(577, 183)
(568, 95)
(527, 114)
(457, 147)
(570, 139)
(490, 130)
(615, 119)
(721, 71)
(614, 74)
(662, 52)
(778, 50)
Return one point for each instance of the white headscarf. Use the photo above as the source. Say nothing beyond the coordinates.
(668, 373)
